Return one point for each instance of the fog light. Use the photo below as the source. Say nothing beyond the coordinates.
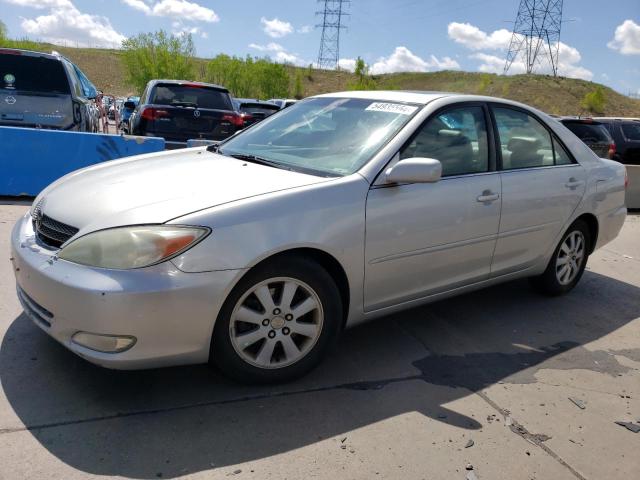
(104, 343)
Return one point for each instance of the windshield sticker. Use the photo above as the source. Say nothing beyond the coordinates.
(392, 108)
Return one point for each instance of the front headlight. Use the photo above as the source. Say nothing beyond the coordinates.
(132, 247)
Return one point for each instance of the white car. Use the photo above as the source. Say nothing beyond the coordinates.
(254, 254)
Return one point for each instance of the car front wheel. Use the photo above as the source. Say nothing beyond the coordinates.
(277, 323)
(567, 263)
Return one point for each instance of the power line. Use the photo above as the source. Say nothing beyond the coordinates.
(536, 35)
(332, 16)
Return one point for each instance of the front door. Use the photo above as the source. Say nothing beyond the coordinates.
(426, 238)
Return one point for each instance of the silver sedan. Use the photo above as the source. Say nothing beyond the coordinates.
(254, 254)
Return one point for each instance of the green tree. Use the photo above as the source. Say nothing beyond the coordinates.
(595, 100)
(363, 80)
(249, 77)
(3, 31)
(158, 55)
(298, 87)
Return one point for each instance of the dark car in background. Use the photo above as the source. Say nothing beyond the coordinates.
(180, 110)
(253, 111)
(626, 135)
(42, 90)
(128, 107)
(594, 134)
(283, 102)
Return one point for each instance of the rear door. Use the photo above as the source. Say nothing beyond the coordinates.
(34, 91)
(541, 187)
(189, 111)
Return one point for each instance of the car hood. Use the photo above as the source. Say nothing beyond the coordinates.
(156, 188)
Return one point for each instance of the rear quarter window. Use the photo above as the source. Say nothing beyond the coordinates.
(631, 131)
(33, 74)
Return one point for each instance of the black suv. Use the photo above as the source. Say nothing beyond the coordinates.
(180, 110)
(626, 134)
(41, 90)
(594, 134)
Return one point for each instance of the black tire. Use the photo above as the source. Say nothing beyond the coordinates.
(548, 283)
(224, 356)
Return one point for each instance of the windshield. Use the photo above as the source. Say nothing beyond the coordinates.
(196, 96)
(334, 136)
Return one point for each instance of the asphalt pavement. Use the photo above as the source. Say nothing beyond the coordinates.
(497, 384)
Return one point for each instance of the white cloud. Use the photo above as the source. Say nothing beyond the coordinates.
(66, 24)
(626, 39)
(568, 60)
(279, 54)
(305, 29)
(180, 29)
(138, 5)
(182, 9)
(276, 28)
(472, 37)
(404, 60)
(475, 39)
(348, 64)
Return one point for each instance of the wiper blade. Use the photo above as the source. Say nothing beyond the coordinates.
(258, 160)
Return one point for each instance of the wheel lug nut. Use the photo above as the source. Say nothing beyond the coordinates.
(288, 317)
(276, 311)
(285, 330)
(272, 334)
(265, 322)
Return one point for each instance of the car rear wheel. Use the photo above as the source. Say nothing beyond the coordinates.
(277, 323)
(567, 263)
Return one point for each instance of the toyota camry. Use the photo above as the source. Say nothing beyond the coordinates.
(254, 254)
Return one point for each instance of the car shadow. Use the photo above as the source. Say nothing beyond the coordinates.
(169, 422)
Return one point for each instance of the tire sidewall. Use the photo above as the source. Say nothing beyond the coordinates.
(224, 356)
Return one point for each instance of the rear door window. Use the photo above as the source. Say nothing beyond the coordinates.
(24, 73)
(191, 96)
(524, 141)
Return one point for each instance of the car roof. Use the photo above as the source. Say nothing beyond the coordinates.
(421, 97)
(188, 82)
(31, 53)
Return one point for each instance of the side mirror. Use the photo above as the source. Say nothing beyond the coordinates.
(129, 105)
(414, 170)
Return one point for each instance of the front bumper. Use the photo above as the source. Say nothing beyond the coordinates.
(171, 313)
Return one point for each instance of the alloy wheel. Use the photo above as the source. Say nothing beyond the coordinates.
(570, 257)
(276, 322)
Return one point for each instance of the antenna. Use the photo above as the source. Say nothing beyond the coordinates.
(332, 17)
(536, 35)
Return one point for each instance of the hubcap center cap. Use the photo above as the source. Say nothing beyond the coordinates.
(277, 323)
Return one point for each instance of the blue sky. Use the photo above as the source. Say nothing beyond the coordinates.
(600, 40)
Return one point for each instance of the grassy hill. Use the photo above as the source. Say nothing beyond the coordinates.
(552, 95)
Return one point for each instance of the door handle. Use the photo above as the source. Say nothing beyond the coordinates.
(488, 196)
(573, 183)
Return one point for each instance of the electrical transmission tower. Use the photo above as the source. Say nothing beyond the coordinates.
(536, 35)
(333, 16)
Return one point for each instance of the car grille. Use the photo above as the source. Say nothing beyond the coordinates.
(34, 310)
(52, 232)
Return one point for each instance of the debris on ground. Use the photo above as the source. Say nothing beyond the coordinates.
(469, 444)
(578, 403)
(468, 467)
(634, 427)
(343, 440)
(442, 415)
(471, 475)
